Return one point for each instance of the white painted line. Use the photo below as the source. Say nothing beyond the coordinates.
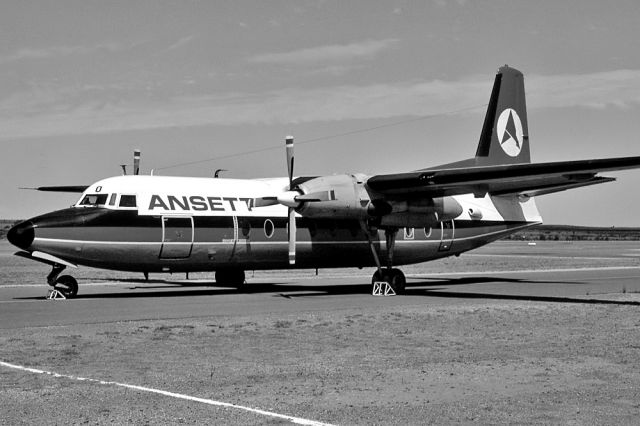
(522, 271)
(540, 256)
(296, 420)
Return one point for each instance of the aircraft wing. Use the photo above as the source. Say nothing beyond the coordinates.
(525, 179)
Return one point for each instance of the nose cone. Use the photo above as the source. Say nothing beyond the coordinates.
(21, 235)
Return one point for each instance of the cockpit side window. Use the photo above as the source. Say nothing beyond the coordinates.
(128, 201)
(94, 200)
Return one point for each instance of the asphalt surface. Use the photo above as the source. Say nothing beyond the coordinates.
(583, 278)
(26, 306)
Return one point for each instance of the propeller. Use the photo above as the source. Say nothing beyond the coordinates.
(292, 211)
(293, 198)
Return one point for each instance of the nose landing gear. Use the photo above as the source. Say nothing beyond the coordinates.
(66, 285)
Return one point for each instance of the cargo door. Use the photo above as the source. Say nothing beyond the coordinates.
(448, 231)
(177, 237)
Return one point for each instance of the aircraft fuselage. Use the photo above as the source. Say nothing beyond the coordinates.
(168, 224)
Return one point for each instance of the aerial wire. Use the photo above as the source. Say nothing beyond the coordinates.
(324, 138)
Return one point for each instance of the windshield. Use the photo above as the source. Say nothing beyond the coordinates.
(94, 200)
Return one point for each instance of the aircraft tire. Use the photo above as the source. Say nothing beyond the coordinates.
(376, 277)
(398, 281)
(395, 277)
(67, 285)
(232, 278)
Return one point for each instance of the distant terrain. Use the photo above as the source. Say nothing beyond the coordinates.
(576, 233)
(4, 227)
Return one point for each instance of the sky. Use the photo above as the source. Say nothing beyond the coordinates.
(364, 86)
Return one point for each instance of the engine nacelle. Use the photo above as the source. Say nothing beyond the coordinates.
(345, 196)
(349, 198)
(421, 213)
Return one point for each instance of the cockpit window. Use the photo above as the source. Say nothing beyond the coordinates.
(128, 201)
(94, 200)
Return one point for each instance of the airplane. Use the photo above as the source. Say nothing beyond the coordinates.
(146, 223)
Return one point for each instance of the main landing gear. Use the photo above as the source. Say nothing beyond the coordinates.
(230, 277)
(386, 281)
(64, 285)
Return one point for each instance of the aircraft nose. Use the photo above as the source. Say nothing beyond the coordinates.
(21, 235)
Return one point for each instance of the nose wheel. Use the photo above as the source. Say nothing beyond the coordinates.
(66, 285)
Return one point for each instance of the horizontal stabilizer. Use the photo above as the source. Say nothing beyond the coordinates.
(71, 188)
(558, 188)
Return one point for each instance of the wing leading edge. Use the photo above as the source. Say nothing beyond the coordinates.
(524, 179)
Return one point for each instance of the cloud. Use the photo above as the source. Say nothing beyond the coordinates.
(46, 113)
(182, 42)
(56, 51)
(620, 88)
(335, 52)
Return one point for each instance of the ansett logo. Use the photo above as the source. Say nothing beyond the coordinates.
(509, 131)
(199, 203)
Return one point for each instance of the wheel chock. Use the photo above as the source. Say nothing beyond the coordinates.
(55, 295)
(382, 288)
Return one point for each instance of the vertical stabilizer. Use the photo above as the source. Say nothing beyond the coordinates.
(505, 134)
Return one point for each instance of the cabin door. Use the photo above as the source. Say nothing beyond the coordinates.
(448, 230)
(177, 237)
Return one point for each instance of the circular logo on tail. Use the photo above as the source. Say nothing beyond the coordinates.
(509, 131)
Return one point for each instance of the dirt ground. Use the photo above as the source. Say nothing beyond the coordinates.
(514, 362)
(467, 361)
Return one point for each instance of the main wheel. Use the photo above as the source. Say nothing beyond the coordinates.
(377, 277)
(232, 277)
(397, 280)
(67, 285)
(395, 277)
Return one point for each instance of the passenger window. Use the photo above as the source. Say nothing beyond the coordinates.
(268, 228)
(408, 234)
(128, 201)
(112, 200)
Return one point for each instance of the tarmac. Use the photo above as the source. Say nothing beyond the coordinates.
(508, 333)
(25, 306)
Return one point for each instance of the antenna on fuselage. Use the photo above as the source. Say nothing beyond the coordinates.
(216, 174)
(124, 169)
(136, 162)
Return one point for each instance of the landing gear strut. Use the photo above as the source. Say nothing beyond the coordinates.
(392, 276)
(65, 284)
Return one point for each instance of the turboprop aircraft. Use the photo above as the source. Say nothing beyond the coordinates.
(183, 224)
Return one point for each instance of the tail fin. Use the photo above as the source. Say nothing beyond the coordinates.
(505, 133)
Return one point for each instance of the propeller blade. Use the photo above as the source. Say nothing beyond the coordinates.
(289, 145)
(292, 236)
(136, 161)
(292, 212)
